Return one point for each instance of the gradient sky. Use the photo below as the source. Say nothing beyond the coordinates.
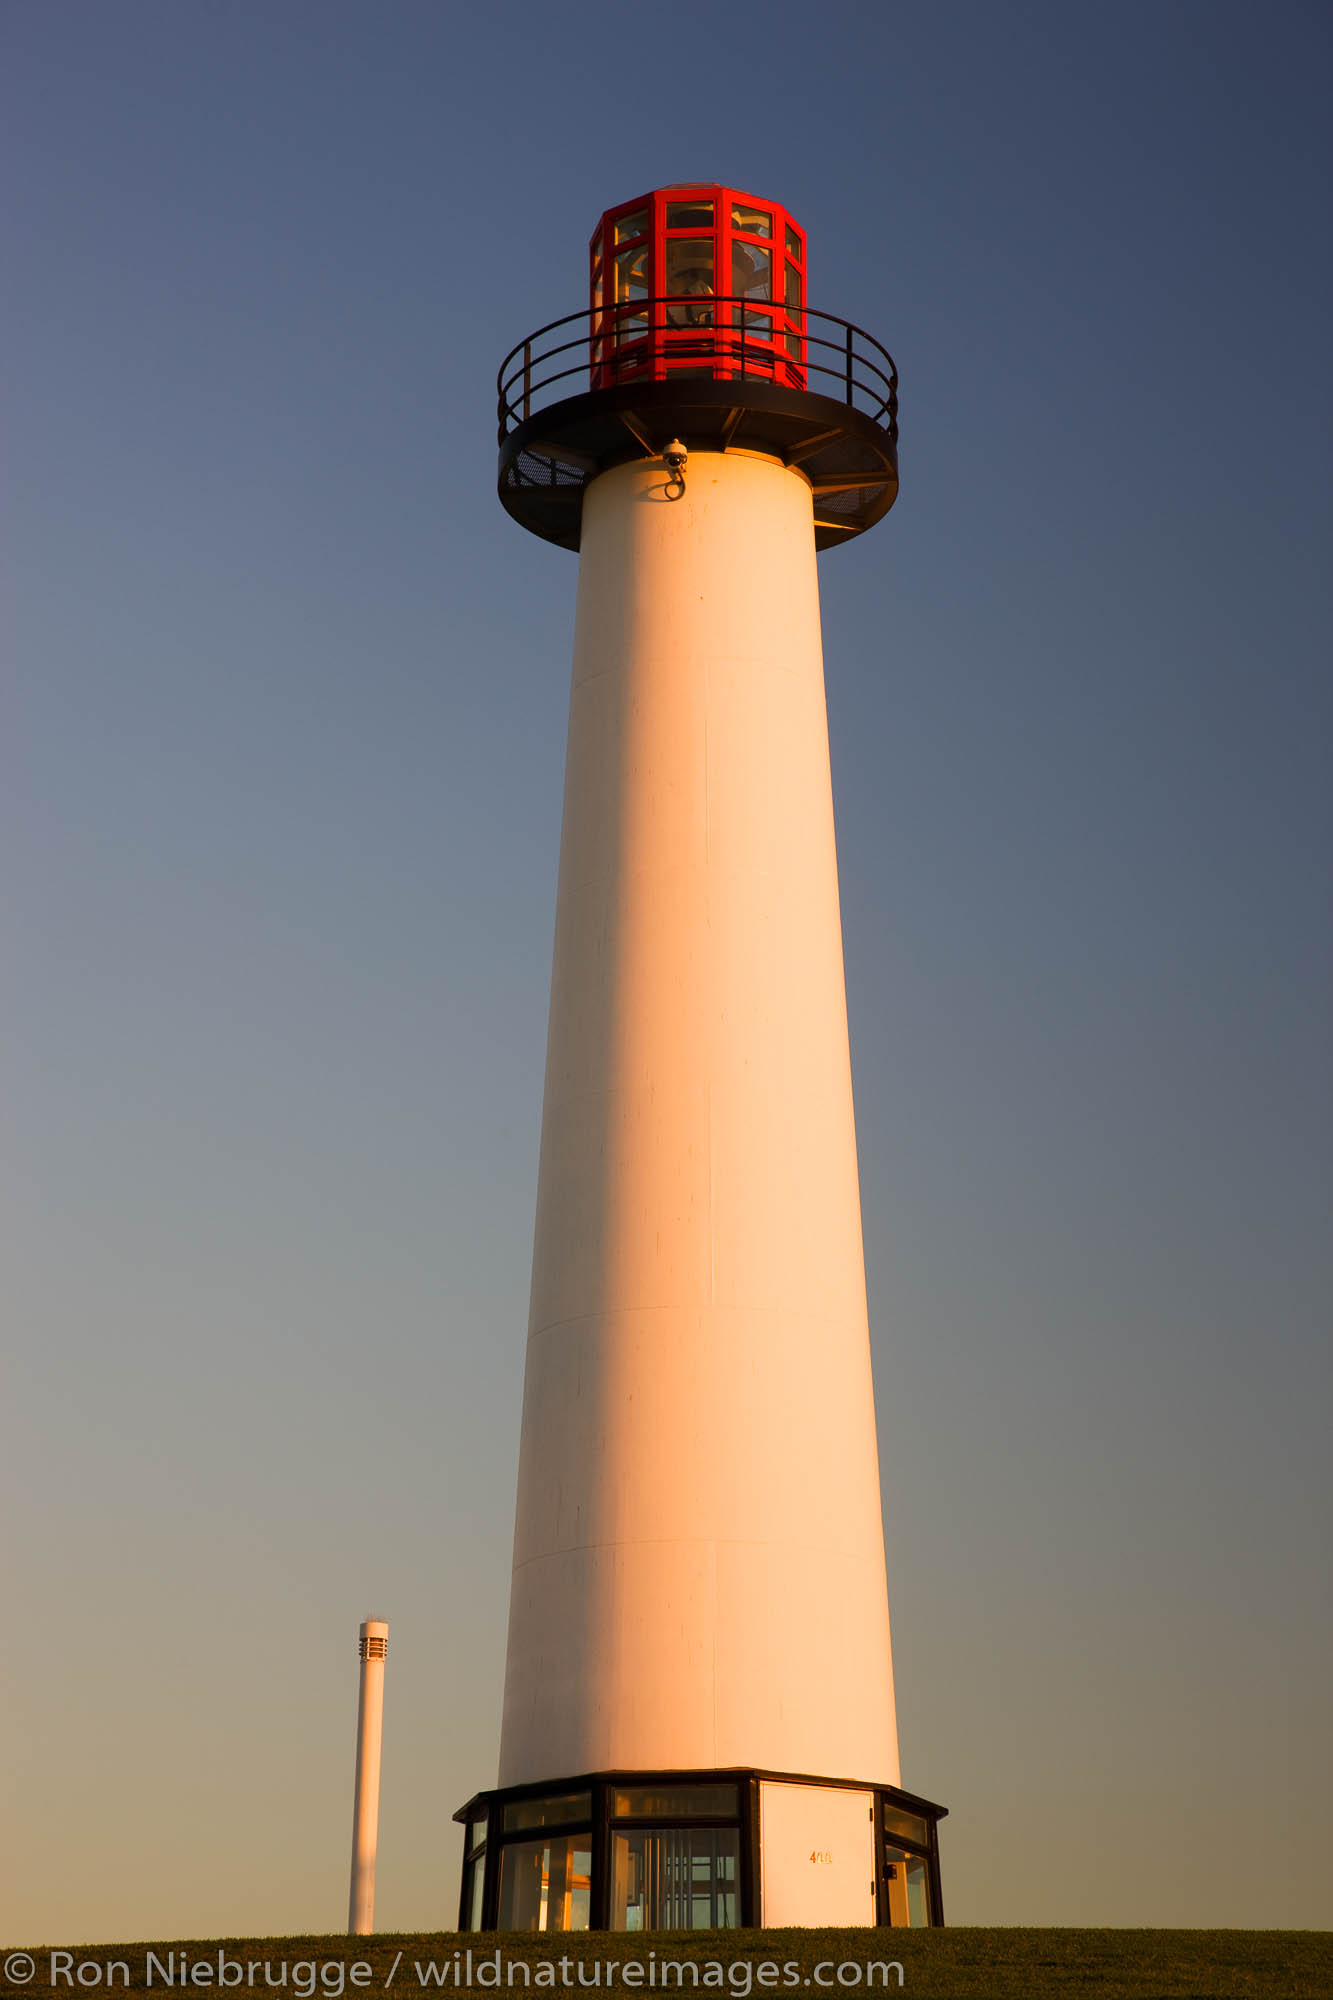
(283, 808)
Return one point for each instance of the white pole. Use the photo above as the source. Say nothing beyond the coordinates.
(366, 1810)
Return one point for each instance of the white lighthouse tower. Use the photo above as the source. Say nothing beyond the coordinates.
(699, 1721)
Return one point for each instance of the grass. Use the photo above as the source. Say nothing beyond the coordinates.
(950, 1964)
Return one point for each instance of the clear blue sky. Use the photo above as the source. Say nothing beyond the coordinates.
(282, 810)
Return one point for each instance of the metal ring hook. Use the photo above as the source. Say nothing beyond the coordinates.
(674, 458)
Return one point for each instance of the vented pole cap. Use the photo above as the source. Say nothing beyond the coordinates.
(374, 1641)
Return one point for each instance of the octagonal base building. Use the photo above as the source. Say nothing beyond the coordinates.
(699, 1725)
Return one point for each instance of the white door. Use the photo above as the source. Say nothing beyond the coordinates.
(817, 1855)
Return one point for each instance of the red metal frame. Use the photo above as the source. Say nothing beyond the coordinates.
(668, 335)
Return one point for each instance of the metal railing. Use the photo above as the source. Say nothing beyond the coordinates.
(640, 340)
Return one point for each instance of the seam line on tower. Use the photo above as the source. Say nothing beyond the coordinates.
(697, 1542)
(856, 1320)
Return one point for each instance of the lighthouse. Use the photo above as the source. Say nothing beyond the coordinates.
(698, 1725)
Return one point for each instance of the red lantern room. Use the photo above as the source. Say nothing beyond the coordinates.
(697, 280)
(698, 333)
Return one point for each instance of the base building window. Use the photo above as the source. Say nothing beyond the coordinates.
(675, 1879)
(908, 1879)
(545, 1885)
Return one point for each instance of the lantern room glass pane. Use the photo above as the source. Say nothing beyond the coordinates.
(597, 244)
(675, 1879)
(689, 215)
(792, 292)
(629, 226)
(631, 268)
(756, 325)
(908, 1884)
(631, 285)
(675, 1802)
(753, 221)
(546, 1885)
(793, 243)
(557, 1810)
(751, 271)
(689, 269)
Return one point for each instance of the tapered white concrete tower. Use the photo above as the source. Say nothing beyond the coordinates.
(699, 1719)
(374, 1651)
